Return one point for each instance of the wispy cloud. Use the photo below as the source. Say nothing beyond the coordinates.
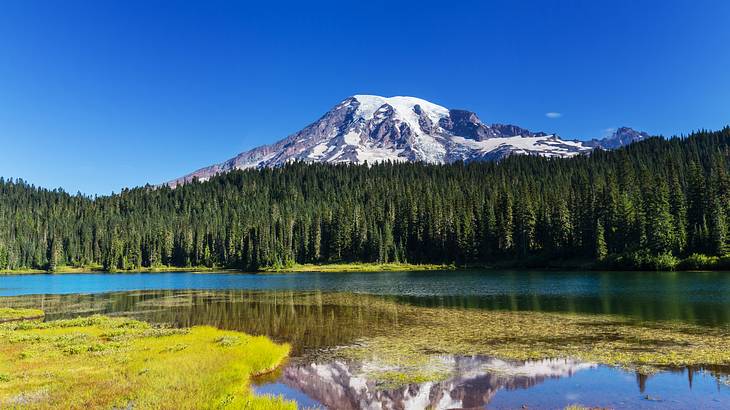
(553, 114)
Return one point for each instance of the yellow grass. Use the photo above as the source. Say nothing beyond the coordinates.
(102, 362)
(7, 314)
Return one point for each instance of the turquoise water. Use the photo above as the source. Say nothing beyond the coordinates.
(264, 304)
(702, 298)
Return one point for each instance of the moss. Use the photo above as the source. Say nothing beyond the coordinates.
(102, 362)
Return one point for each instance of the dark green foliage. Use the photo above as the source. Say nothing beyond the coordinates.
(642, 206)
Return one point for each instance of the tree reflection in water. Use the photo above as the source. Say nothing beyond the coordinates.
(314, 322)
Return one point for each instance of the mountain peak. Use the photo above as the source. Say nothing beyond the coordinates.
(371, 128)
(404, 107)
(622, 136)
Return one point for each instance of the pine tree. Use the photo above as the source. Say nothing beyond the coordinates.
(54, 253)
(718, 229)
(659, 229)
(601, 248)
(505, 223)
(678, 208)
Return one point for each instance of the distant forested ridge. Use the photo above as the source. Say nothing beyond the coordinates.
(648, 205)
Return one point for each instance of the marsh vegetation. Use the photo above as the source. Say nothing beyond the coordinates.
(103, 362)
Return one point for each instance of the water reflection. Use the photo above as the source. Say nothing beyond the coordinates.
(307, 320)
(314, 321)
(475, 381)
(641, 307)
(480, 381)
(694, 297)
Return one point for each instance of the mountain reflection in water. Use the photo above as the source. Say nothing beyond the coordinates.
(486, 382)
(316, 322)
(475, 381)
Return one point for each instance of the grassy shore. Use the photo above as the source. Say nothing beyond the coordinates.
(695, 262)
(333, 267)
(102, 362)
(10, 314)
(100, 269)
(358, 267)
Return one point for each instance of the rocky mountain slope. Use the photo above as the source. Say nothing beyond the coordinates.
(369, 128)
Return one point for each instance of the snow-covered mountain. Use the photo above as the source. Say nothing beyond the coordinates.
(370, 128)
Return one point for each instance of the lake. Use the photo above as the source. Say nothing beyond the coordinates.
(319, 313)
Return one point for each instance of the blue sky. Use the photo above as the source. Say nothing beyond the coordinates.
(100, 95)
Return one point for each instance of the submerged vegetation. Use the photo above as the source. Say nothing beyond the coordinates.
(403, 342)
(104, 362)
(655, 204)
(405, 338)
(405, 352)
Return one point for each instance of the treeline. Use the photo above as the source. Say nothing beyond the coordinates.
(649, 205)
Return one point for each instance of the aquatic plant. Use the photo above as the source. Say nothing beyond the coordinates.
(406, 347)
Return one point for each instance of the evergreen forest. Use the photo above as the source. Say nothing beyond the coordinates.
(655, 204)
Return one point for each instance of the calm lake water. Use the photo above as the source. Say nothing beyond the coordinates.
(702, 298)
(272, 305)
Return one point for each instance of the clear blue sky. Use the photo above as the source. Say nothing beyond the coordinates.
(99, 95)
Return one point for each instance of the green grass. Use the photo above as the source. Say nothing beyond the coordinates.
(102, 362)
(21, 271)
(629, 261)
(165, 268)
(358, 267)
(335, 267)
(8, 314)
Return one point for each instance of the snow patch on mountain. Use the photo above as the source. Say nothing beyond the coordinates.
(403, 106)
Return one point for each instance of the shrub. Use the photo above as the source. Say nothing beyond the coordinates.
(642, 260)
(665, 261)
(724, 262)
(698, 261)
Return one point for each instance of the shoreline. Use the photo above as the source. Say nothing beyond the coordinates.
(357, 267)
(297, 268)
(66, 270)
